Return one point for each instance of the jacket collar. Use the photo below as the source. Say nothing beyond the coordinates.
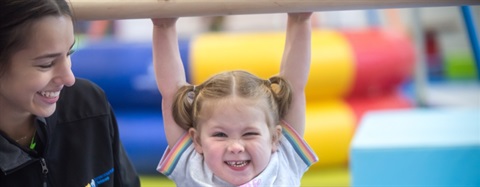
(11, 155)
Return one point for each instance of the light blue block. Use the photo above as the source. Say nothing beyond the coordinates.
(416, 148)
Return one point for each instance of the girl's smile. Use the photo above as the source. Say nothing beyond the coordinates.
(238, 165)
(235, 139)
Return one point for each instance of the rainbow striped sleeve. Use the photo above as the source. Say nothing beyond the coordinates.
(300, 146)
(171, 156)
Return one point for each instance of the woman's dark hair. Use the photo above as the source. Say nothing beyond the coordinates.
(16, 18)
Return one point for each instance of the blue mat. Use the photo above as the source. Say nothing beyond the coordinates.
(419, 147)
(143, 136)
(124, 71)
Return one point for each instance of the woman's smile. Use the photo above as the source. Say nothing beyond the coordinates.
(49, 97)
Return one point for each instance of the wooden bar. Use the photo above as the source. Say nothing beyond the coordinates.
(137, 9)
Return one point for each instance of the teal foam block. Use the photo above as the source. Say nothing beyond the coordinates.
(417, 147)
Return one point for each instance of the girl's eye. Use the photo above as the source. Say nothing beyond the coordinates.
(251, 134)
(70, 52)
(219, 134)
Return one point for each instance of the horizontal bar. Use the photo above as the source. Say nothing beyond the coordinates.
(137, 9)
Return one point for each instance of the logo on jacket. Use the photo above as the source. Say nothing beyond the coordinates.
(100, 179)
(91, 184)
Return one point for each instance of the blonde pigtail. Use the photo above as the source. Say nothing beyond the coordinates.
(282, 93)
(183, 106)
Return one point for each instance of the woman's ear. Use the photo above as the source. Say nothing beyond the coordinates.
(277, 133)
(195, 136)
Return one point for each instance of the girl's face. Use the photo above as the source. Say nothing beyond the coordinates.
(235, 141)
(40, 70)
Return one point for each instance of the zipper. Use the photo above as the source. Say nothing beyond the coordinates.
(44, 171)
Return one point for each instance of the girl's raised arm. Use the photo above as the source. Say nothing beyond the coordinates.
(169, 72)
(295, 66)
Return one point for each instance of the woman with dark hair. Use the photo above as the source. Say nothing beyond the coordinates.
(55, 129)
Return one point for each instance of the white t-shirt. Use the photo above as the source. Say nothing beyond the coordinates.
(186, 167)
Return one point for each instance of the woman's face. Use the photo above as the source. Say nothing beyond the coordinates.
(235, 141)
(40, 70)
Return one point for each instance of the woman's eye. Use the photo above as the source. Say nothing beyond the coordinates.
(219, 134)
(70, 52)
(46, 66)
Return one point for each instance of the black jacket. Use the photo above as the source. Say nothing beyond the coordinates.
(78, 145)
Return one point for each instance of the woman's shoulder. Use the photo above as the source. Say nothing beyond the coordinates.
(83, 92)
(85, 86)
(82, 100)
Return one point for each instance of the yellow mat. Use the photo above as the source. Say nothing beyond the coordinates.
(261, 54)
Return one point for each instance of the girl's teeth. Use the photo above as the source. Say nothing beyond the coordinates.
(237, 163)
(50, 94)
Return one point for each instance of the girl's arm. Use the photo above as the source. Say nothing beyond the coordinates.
(295, 66)
(169, 72)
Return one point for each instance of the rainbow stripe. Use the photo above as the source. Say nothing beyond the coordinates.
(300, 146)
(171, 156)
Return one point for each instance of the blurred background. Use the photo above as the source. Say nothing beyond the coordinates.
(411, 71)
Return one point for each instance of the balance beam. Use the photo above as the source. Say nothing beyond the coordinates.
(137, 9)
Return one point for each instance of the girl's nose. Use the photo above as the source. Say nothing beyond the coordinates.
(236, 147)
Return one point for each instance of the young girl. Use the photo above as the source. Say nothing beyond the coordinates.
(235, 128)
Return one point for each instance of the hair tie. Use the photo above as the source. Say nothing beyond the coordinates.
(269, 82)
(191, 95)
